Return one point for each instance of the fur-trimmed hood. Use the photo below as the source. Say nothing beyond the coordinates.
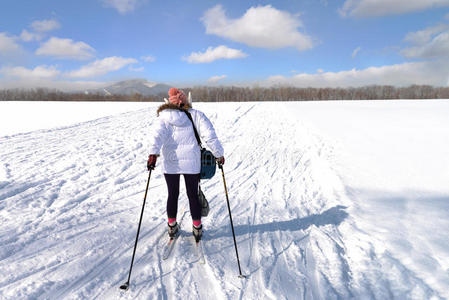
(171, 106)
(174, 114)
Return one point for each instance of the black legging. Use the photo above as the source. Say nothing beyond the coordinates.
(192, 181)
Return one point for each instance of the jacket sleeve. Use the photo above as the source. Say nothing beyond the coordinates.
(158, 135)
(207, 133)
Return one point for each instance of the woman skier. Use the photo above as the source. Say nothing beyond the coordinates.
(174, 140)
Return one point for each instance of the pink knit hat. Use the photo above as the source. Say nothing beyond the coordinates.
(177, 96)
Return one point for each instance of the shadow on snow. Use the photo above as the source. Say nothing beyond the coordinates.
(333, 216)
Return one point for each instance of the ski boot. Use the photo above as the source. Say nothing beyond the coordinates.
(197, 232)
(173, 229)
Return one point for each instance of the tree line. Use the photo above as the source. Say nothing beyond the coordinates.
(240, 94)
(218, 94)
(45, 94)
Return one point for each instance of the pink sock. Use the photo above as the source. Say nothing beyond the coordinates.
(171, 220)
(197, 223)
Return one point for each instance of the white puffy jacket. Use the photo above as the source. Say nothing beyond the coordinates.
(174, 138)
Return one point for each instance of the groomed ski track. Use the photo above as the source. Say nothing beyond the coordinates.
(70, 200)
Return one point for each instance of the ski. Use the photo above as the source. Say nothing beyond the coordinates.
(200, 251)
(168, 248)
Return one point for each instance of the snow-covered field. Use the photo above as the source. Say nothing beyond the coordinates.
(330, 200)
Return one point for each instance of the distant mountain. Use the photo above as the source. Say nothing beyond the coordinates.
(131, 87)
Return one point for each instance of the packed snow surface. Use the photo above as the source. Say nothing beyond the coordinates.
(330, 200)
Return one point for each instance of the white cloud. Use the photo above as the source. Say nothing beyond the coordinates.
(425, 35)
(148, 58)
(215, 79)
(356, 51)
(211, 54)
(431, 73)
(8, 44)
(432, 42)
(136, 69)
(377, 8)
(101, 67)
(65, 49)
(27, 36)
(261, 26)
(39, 29)
(45, 25)
(122, 6)
(39, 72)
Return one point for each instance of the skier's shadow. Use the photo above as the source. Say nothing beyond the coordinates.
(332, 216)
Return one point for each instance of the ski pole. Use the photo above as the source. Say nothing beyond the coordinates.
(125, 286)
(232, 225)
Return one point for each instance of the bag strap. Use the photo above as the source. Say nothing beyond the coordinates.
(194, 128)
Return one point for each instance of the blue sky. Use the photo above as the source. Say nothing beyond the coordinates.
(89, 43)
